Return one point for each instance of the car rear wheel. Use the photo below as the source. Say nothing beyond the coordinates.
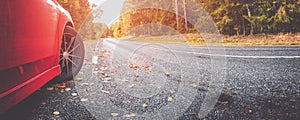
(71, 54)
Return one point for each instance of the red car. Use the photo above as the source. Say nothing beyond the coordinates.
(38, 42)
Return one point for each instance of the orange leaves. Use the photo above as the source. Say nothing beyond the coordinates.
(61, 85)
(249, 111)
(141, 67)
(228, 91)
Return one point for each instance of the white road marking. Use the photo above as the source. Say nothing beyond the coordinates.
(239, 56)
(253, 57)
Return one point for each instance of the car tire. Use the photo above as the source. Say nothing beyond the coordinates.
(71, 55)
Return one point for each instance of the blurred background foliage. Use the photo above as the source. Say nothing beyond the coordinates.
(232, 17)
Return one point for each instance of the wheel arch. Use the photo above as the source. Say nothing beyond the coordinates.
(62, 23)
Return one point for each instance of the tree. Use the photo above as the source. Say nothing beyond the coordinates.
(79, 10)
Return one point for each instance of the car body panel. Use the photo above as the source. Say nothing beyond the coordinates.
(30, 40)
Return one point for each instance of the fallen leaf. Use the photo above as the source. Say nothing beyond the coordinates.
(43, 103)
(124, 80)
(135, 67)
(62, 90)
(170, 99)
(292, 100)
(104, 65)
(84, 84)
(96, 72)
(147, 67)
(74, 94)
(145, 105)
(102, 55)
(50, 88)
(194, 85)
(33, 110)
(67, 89)
(132, 85)
(249, 111)
(107, 79)
(95, 60)
(61, 85)
(130, 115)
(104, 91)
(103, 68)
(77, 79)
(223, 102)
(228, 91)
(114, 114)
(84, 100)
(56, 113)
(130, 66)
(168, 74)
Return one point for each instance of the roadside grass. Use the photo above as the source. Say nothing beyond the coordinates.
(263, 40)
(197, 39)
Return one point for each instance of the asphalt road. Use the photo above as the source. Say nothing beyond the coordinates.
(132, 80)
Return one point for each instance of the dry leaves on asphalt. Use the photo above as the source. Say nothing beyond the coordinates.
(84, 84)
(43, 103)
(50, 88)
(168, 74)
(194, 85)
(136, 75)
(130, 115)
(114, 114)
(104, 91)
(83, 99)
(78, 79)
(249, 111)
(67, 89)
(228, 91)
(61, 85)
(136, 67)
(56, 113)
(103, 68)
(170, 99)
(74, 94)
(145, 105)
(107, 79)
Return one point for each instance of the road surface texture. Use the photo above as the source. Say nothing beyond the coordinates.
(146, 81)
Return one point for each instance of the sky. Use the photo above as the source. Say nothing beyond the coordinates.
(97, 2)
(111, 10)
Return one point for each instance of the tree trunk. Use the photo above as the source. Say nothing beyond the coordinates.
(249, 15)
(177, 19)
(185, 16)
(244, 28)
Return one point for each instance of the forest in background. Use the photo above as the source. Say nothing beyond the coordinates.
(232, 17)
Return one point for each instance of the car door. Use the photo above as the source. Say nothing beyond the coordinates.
(30, 31)
(28, 40)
